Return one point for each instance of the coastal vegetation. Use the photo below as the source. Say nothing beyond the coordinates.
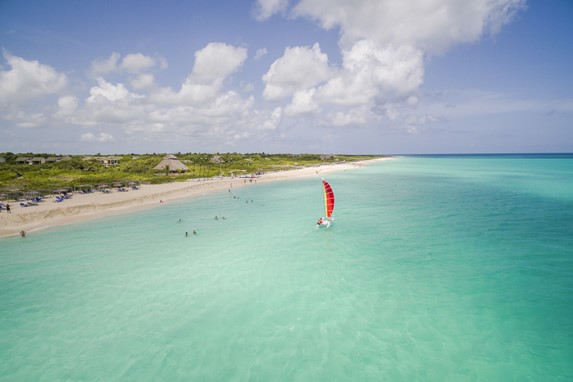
(45, 173)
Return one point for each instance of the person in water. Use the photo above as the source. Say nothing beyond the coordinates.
(319, 222)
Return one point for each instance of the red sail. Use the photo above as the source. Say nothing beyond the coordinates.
(328, 199)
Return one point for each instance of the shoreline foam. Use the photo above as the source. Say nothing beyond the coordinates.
(83, 207)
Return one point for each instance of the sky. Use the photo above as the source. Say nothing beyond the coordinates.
(286, 76)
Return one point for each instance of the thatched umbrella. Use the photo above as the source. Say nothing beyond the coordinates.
(171, 163)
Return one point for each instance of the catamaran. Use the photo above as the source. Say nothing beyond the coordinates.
(328, 206)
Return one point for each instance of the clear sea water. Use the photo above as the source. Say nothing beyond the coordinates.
(439, 268)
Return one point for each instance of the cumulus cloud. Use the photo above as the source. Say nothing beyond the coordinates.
(133, 63)
(107, 65)
(137, 62)
(102, 137)
(383, 44)
(432, 26)
(302, 103)
(300, 68)
(383, 48)
(371, 71)
(26, 80)
(143, 81)
(217, 61)
(213, 65)
(202, 107)
(110, 92)
(264, 9)
(67, 105)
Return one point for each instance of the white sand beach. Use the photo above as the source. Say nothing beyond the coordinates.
(81, 207)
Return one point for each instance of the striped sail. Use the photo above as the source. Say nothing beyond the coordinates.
(328, 198)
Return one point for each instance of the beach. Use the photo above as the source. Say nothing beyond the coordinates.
(82, 207)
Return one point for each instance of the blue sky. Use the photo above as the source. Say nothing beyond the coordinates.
(307, 76)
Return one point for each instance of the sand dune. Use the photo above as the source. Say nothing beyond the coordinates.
(90, 206)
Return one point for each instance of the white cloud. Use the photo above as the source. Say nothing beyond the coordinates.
(143, 81)
(300, 68)
(273, 120)
(104, 66)
(302, 103)
(133, 63)
(110, 92)
(217, 61)
(201, 108)
(27, 80)
(432, 26)
(137, 62)
(261, 52)
(371, 71)
(266, 8)
(383, 44)
(102, 137)
(213, 65)
(353, 116)
(67, 105)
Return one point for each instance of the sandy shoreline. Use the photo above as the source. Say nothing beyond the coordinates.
(82, 207)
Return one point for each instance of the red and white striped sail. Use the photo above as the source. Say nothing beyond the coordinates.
(328, 198)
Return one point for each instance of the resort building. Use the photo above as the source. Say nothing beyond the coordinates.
(37, 160)
(109, 161)
(106, 161)
(30, 160)
(22, 160)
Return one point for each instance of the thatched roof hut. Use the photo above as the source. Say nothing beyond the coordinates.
(172, 163)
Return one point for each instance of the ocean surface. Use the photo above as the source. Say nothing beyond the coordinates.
(437, 268)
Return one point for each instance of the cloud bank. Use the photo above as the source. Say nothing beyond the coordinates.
(383, 46)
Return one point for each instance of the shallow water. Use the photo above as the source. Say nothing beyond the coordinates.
(436, 268)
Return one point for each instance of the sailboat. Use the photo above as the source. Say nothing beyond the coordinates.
(328, 206)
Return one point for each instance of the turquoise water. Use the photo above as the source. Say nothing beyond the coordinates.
(444, 268)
